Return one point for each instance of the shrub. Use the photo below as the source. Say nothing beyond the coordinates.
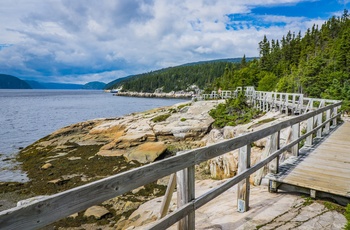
(234, 112)
(183, 119)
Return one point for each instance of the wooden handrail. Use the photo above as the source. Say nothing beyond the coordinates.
(57, 206)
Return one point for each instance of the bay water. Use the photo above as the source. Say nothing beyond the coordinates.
(28, 115)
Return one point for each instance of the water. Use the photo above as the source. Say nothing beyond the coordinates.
(28, 115)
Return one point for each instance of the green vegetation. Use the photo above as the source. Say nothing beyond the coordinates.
(174, 78)
(347, 216)
(317, 64)
(183, 106)
(308, 201)
(161, 118)
(235, 111)
(183, 119)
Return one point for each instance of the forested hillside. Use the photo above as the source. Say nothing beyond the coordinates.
(11, 82)
(316, 64)
(176, 78)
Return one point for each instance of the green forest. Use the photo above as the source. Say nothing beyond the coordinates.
(176, 78)
(316, 64)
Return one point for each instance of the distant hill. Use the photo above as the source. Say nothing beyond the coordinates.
(112, 84)
(177, 78)
(53, 85)
(35, 84)
(94, 85)
(11, 82)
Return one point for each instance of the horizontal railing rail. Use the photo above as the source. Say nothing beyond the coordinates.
(58, 206)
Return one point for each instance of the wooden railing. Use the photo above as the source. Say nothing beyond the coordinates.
(58, 206)
(296, 103)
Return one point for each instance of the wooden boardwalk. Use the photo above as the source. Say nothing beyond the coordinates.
(322, 169)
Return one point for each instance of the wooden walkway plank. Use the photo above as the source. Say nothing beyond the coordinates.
(326, 168)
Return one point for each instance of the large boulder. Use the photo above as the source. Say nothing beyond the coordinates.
(146, 152)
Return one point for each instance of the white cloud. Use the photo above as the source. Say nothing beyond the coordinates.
(76, 41)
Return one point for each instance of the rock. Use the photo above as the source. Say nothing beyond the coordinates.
(75, 215)
(58, 181)
(96, 211)
(229, 132)
(130, 206)
(46, 166)
(111, 153)
(74, 158)
(146, 152)
(224, 166)
(214, 137)
(136, 190)
(196, 125)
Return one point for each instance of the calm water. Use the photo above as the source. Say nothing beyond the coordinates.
(28, 115)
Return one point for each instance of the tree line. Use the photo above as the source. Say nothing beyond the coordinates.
(177, 78)
(316, 64)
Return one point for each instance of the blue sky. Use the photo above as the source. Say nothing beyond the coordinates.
(80, 41)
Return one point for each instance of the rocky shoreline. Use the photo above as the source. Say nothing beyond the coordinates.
(177, 95)
(88, 151)
(91, 150)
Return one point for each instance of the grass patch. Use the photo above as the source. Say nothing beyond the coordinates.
(182, 106)
(308, 201)
(334, 207)
(347, 216)
(161, 118)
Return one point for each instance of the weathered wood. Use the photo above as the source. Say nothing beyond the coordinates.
(328, 116)
(295, 136)
(335, 111)
(243, 187)
(324, 169)
(191, 195)
(319, 122)
(168, 195)
(182, 196)
(310, 126)
(274, 164)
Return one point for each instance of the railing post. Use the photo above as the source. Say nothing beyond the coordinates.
(295, 136)
(186, 193)
(319, 122)
(274, 164)
(310, 126)
(328, 116)
(294, 105)
(243, 187)
(335, 112)
(274, 146)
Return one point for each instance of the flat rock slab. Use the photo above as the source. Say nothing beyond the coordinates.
(267, 211)
(96, 211)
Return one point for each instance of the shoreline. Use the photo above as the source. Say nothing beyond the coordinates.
(171, 95)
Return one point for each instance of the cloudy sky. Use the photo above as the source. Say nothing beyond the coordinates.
(77, 41)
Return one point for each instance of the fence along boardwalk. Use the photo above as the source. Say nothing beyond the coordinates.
(323, 171)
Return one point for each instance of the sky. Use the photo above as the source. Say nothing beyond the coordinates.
(80, 41)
